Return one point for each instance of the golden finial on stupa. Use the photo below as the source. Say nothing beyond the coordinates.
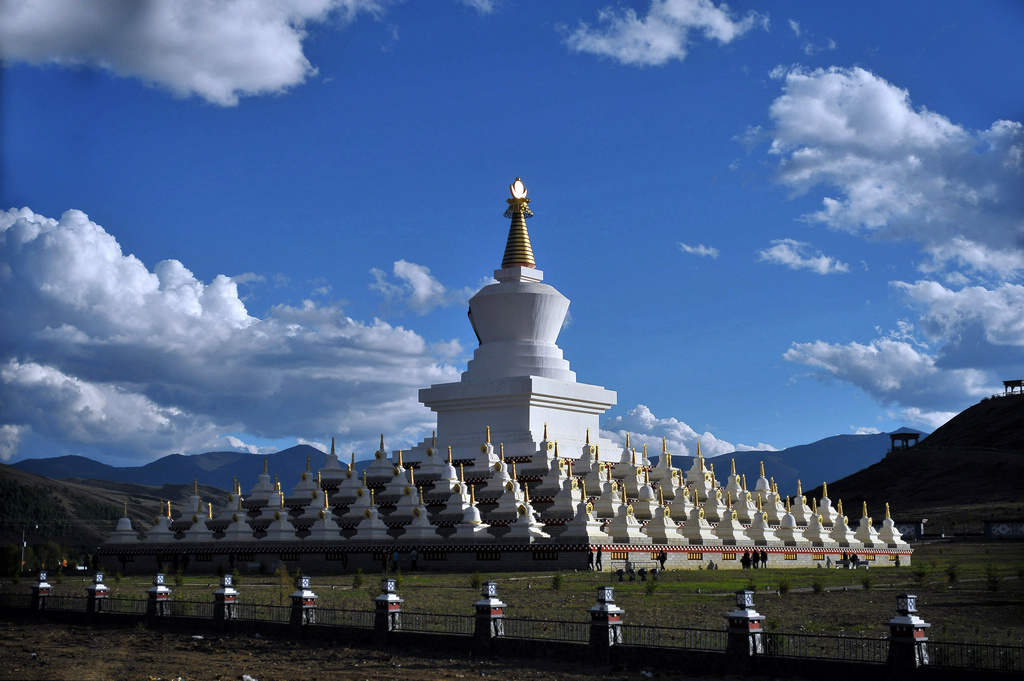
(209, 510)
(588, 436)
(382, 442)
(472, 494)
(401, 463)
(488, 435)
(412, 476)
(449, 453)
(762, 469)
(734, 467)
(839, 507)
(865, 509)
(700, 456)
(887, 516)
(526, 488)
(824, 490)
(462, 474)
(633, 456)
(264, 466)
(545, 430)
(814, 505)
(501, 451)
(627, 440)
(168, 509)
(420, 489)
(664, 445)
(744, 482)
(645, 453)
(514, 470)
(518, 252)
(332, 445)
(281, 496)
(125, 508)
(433, 438)
(195, 486)
(352, 465)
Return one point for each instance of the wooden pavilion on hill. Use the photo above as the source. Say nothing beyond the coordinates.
(904, 439)
(1011, 387)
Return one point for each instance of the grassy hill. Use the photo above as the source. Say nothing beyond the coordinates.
(969, 469)
(79, 513)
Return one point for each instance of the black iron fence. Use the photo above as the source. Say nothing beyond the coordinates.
(442, 624)
(337, 617)
(976, 656)
(550, 630)
(674, 637)
(126, 606)
(848, 648)
(263, 612)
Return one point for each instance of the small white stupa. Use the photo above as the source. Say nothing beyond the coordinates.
(161, 531)
(124, 534)
(472, 528)
(888, 535)
(624, 528)
(866, 534)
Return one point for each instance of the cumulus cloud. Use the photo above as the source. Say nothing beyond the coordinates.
(664, 34)
(699, 249)
(894, 371)
(900, 172)
(99, 352)
(795, 255)
(646, 428)
(219, 51)
(417, 289)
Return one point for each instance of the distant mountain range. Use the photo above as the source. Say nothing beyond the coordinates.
(825, 460)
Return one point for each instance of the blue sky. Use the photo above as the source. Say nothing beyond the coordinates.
(247, 224)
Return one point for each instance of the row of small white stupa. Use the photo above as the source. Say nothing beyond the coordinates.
(550, 498)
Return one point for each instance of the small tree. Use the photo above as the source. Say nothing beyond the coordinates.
(557, 582)
(475, 580)
(283, 581)
(784, 586)
(992, 577)
(953, 573)
(357, 579)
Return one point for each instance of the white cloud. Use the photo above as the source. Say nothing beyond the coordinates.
(795, 27)
(893, 370)
(928, 419)
(699, 249)
(219, 51)
(418, 289)
(794, 255)
(866, 430)
(947, 314)
(665, 33)
(100, 354)
(646, 428)
(900, 172)
(481, 6)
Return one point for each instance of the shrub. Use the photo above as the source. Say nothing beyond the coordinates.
(1020, 571)
(817, 587)
(921, 574)
(357, 579)
(475, 581)
(992, 577)
(784, 586)
(235, 579)
(866, 581)
(557, 582)
(953, 573)
(179, 579)
(117, 578)
(650, 586)
(398, 578)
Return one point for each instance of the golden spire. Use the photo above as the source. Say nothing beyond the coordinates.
(545, 430)
(762, 469)
(664, 445)
(700, 456)
(327, 503)
(501, 450)
(839, 507)
(788, 509)
(597, 453)
(319, 481)
(472, 494)
(744, 482)
(583, 488)
(799, 488)
(421, 495)
(518, 252)
(277, 485)
(728, 501)
(556, 449)
(449, 453)
(887, 516)
(771, 484)
(401, 463)
(433, 438)
(647, 477)
(372, 500)
(412, 476)
(824, 490)
(588, 436)
(125, 508)
(734, 466)
(661, 496)
(526, 487)
(645, 453)
(865, 512)
(759, 503)
(281, 495)
(488, 435)
(382, 442)
(195, 486)
(209, 510)
(627, 440)
(307, 462)
(168, 509)
(332, 445)
(814, 505)
(633, 460)
(352, 465)
(514, 470)
(364, 477)
(462, 474)
(264, 466)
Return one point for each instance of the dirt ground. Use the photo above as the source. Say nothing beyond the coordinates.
(40, 651)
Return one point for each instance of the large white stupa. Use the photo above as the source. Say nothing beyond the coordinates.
(518, 381)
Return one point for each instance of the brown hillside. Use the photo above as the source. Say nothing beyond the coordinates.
(969, 469)
(994, 423)
(81, 513)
